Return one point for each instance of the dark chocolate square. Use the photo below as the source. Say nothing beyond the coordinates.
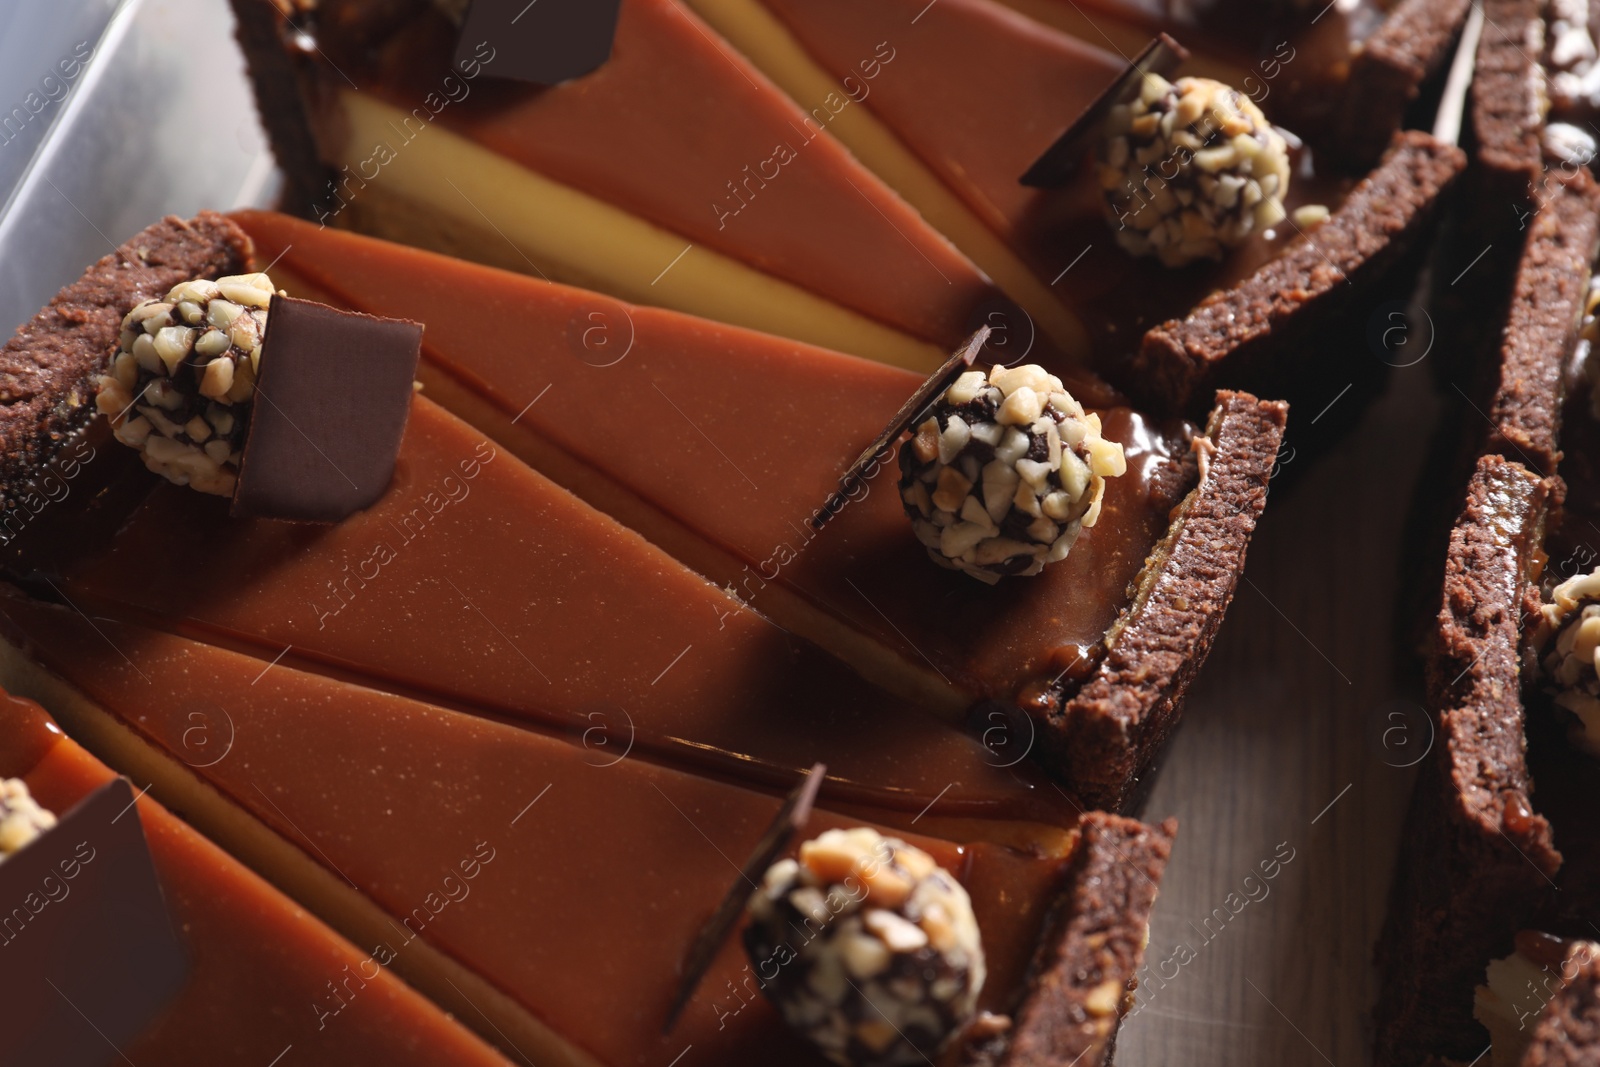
(329, 412)
(1060, 161)
(542, 41)
(88, 954)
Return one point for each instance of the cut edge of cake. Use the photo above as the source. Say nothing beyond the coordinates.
(1240, 334)
(1480, 855)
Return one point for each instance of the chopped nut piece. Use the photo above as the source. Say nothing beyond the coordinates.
(1104, 999)
(21, 818)
(1566, 655)
(868, 981)
(1005, 472)
(1191, 169)
(189, 364)
(1309, 215)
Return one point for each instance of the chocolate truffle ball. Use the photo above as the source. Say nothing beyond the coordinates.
(868, 947)
(1566, 649)
(1004, 472)
(1189, 169)
(179, 386)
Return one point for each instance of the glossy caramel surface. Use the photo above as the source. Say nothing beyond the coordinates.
(568, 878)
(478, 582)
(979, 92)
(678, 128)
(741, 437)
(258, 963)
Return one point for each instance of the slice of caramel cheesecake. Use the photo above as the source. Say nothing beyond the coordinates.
(479, 583)
(520, 878)
(1215, 246)
(1096, 649)
(258, 963)
(1349, 74)
(675, 174)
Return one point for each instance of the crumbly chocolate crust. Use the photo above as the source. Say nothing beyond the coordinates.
(1568, 1031)
(1387, 74)
(1108, 734)
(1233, 331)
(1079, 982)
(1505, 107)
(262, 28)
(1476, 857)
(1551, 289)
(46, 392)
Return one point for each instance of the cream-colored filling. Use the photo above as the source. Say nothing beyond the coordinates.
(767, 43)
(561, 233)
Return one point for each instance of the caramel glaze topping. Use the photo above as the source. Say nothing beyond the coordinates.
(746, 484)
(258, 963)
(480, 584)
(589, 878)
(674, 128)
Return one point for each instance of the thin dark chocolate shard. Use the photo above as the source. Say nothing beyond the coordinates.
(1060, 161)
(91, 956)
(330, 408)
(935, 384)
(791, 818)
(544, 43)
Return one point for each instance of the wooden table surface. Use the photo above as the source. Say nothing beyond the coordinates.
(1294, 744)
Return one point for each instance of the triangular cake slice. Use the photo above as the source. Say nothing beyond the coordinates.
(1020, 85)
(1097, 648)
(479, 583)
(257, 962)
(522, 878)
(1351, 73)
(675, 174)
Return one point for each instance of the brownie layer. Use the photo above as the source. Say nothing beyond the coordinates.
(1239, 331)
(1552, 285)
(1478, 857)
(1387, 75)
(1107, 736)
(45, 368)
(259, 28)
(1080, 983)
(1506, 109)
